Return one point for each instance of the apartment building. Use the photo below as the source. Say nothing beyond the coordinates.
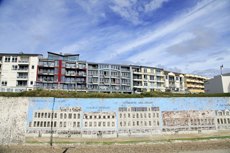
(64, 72)
(109, 78)
(18, 71)
(147, 79)
(194, 83)
(174, 82)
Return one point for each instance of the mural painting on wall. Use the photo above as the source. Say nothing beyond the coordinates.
(96, 118)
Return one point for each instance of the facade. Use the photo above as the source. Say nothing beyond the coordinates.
(18, 71)
(138, 120)
(109, 78)
(98, 124)
(194, 83)
(147, 79)
(66, 120)
(64, 72)
(174, 82)
(218, 84)
(188, 120)
(222, 119)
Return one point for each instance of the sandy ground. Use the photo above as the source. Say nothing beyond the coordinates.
(175, 147)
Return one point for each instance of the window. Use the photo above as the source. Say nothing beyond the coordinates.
(56, 63)
(176, 78)
(7, 58)
(152, 70)
(166, 77)
(145, 84)
(145, 70)
(14, 67)
(151, 77)
(4, 83)
(32, 67)
(14, 59)
(31, 82)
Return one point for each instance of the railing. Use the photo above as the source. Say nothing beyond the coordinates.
(95, 82)
(83, 88)
(22, 69)
(95, 75)
(81, 67)
(21, 77)
(80, 81)
(94, 68)
(23, 62)
(137, 78)
(21, 85)
(69, 81)
(106, 76)
(123, 69)
(137, 71)
(81, 74)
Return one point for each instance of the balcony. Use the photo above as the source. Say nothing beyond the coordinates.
(124, 83)
(171, 80)
(21, 85)
(81, 89)
(95, 82)
(152, 80)
(69, 81)
(115, 83)
(92, 68)
(160, 80)
(103, 88)
(92, 88)
(105, 83)
(125, 69)
(106, 76)
(80, 82)
(23, 70)
(137, 72)
(23, 62)
(22, 78)
(137, 79)
(124, 77)
(95, 75)
(80, 67)
(115, 88)
(160, 74)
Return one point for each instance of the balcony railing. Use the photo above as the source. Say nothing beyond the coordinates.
(23, 62)
(137, 71)
(21, 85)
(106, 76)
(94, 68)
(22, 69)
(83, 74)
(95, 75)
(22, 77)
(124, 69)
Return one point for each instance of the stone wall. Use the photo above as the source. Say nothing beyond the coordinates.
(13, 118)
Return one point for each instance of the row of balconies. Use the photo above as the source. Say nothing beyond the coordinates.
(142, 72)
(191, 80)
(19, 62)
(112, 83)
(140, 79)
(197, 86)
(108, 88)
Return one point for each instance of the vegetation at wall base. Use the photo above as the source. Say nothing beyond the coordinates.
(73, 94)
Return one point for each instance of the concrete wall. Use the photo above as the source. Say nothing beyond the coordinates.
(13, 118)
(214, 85)
(16, 114)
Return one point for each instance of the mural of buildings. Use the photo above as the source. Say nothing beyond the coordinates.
(98, 124)
(191, 120)
(63, 121)
(138, 120)
(222, 119)
(96, 118)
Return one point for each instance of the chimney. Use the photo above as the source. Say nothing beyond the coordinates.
(60, 53)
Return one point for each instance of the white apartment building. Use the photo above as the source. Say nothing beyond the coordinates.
(174, 82)
(18, 71)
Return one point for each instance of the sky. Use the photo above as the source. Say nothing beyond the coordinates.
(184, 36)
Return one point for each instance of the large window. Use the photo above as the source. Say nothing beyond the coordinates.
(151, 77)
(14, 59)
(7, 58)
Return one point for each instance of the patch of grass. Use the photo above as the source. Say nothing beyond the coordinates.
(72, 94)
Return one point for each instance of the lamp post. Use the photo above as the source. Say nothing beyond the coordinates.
(221, 69)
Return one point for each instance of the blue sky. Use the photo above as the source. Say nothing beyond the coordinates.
(187, 36)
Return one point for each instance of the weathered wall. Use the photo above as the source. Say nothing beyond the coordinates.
(30, 117)
(13, 118)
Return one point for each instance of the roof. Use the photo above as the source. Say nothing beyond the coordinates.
(63, 55)
(17, 54)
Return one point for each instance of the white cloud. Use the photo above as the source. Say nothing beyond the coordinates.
(154, 4)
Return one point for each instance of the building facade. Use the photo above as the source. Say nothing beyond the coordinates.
(218, 84)
(109, 78)
(194, 83)
(64, 72)
(174, 82)
(147, 79)
(18, 71)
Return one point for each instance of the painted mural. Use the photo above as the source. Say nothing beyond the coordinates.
(96, 118)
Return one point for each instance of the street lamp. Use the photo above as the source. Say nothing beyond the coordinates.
(221, 69)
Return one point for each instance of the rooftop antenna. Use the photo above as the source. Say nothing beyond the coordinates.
(221, 69)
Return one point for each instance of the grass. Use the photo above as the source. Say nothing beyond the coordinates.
(73, 94)
(134, 142)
